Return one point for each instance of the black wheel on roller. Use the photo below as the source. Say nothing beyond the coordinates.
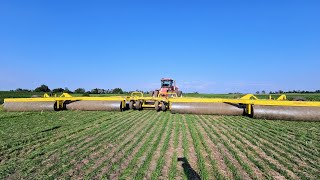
(299, 99)
(131, 105)
(163, 106)
(156, 106)
(138, 105)
(155, 93)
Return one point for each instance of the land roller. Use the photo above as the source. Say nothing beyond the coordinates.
(248, 105)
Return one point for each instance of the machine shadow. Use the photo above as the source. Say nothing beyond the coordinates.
(188, 170)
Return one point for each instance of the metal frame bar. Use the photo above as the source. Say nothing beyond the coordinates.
(248, 100)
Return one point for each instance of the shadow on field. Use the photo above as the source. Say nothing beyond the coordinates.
(191, 173)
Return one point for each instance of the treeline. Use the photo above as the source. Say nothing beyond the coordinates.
(46, 89)
(288, 92)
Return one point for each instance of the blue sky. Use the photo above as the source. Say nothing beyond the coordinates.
(207, 46)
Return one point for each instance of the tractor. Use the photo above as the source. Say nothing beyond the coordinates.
(167, 86)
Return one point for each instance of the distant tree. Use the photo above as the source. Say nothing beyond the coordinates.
(57, 90)
(258, 92)
(66, 90)
(280, 92)
(22, 90)
(263, 92)
(117, 91)
(80, 91)
(94, 91)
(42, 88)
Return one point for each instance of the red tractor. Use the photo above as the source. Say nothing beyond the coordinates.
(167, 86)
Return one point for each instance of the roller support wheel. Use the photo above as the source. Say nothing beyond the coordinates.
(163, 106)
(138, 105)
(131, 106)
(156, 106)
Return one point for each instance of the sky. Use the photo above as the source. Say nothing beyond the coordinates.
(216, 46)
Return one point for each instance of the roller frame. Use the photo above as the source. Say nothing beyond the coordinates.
(249, 101)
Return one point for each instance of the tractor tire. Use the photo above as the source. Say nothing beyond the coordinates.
(155, 93)
(163, 106)
(138, 105)
(156, 106)
(131, 105)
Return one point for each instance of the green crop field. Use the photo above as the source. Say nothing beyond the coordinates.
(155, 145)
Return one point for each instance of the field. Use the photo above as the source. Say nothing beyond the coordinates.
(155, 145)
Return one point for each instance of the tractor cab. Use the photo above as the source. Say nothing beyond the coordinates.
(167, 86)
(166, 83)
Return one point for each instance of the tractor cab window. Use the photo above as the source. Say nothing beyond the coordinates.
(166, 83)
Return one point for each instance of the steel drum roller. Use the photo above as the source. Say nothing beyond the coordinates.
(293, 113)
(94, 105)
(206, 108)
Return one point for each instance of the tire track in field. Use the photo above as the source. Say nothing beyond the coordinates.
(131, 165)
(144, 161)
(78, 136)
(77, 139)
(237, 170)
(292, 129)
(297, 145)
(272, 163)
(204, 153)
(278, 141)
(169, 154)
(190, 153)
(97, 153)
(256, 159)
(287, 160)
(242, 153)
(120, 151)
(213, 152)
(161, 159)
(151, 167)
(24, 146)
(251, 168)
(98, 142)
(97, 158)
(179, 151)
(289, 146)
(35, 157)
(121, 158)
